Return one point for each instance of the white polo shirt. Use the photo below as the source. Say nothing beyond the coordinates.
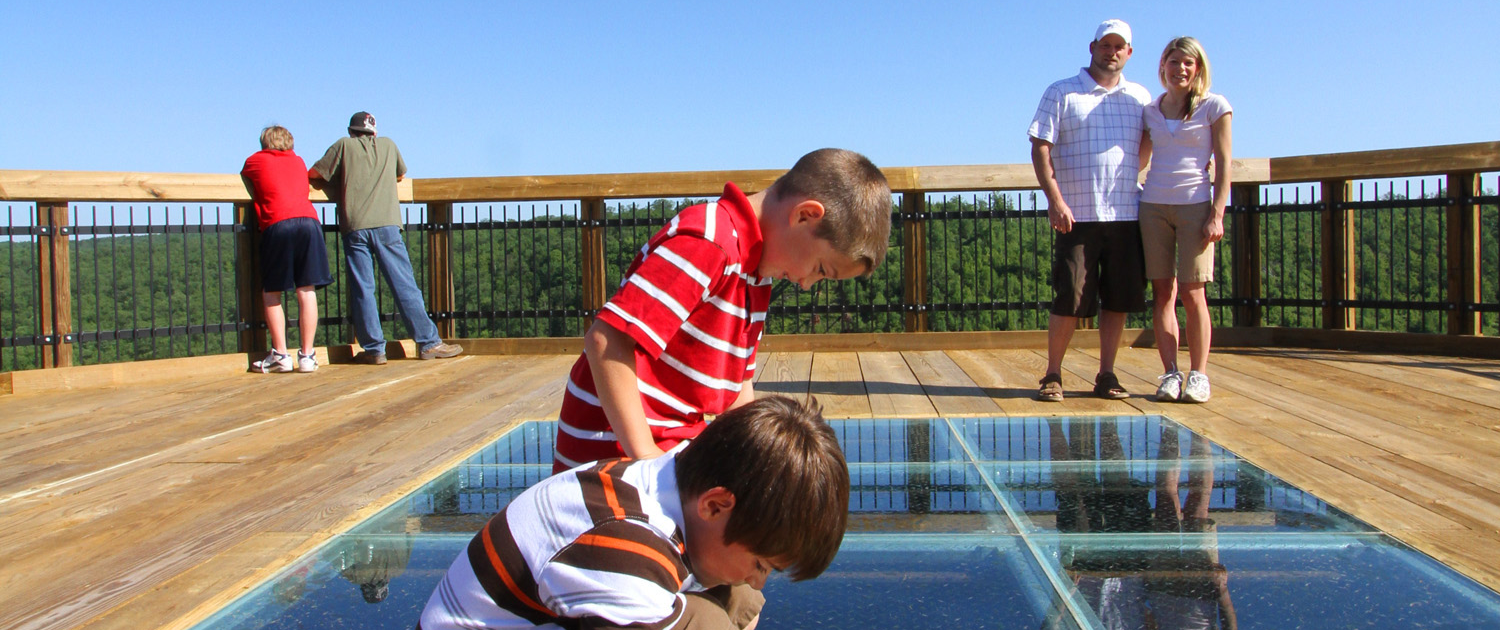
(1096, 145)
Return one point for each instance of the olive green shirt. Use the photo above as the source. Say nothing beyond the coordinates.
(361, 173)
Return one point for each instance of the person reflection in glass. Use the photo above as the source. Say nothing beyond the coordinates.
(1110, 578)
(372, 562)
(1186, 585)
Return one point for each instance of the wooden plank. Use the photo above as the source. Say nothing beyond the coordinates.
(23, 185)
(1422, 379)
(1247, 284)
(207, 587)
(913, 260)
(1337, 251)
(786, 373)
(1434, 160)
(855, 342)
(602, 186)
(1475, 553)
(1465, 264)
(893, 389)
(949, 388)
(440, 295)
(838, 385)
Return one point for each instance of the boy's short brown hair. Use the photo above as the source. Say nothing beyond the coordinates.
(856, 202)
(784, 466)
(276, 138)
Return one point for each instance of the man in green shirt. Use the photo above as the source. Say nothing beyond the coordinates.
(361, 172)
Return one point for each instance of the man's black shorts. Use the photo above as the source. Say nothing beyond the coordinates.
(292, 254)
(1099, 262)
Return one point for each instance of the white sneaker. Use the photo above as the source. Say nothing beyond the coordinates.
(307, 362)
(1196, 390)
(274, 363)
(1170, 389)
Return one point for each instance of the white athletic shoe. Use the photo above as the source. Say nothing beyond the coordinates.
(307, 362)
(1171, 387)
(1196, 390)
(274, 363)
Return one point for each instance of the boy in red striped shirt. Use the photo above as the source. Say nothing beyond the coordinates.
(678, 340)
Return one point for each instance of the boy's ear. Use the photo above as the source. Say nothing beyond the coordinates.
(715, 503)
(807, 210)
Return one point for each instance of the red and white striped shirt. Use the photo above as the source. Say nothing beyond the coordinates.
(696, 313)
(600, 546)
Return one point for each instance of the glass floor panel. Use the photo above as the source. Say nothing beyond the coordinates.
(1102, 522)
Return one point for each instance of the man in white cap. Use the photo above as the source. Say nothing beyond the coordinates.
(1085, 147)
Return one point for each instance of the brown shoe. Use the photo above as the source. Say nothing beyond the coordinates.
(370, 358)
(1052, 390)
(441, 350)
(1107, 385)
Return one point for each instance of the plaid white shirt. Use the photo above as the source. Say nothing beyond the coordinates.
(1096, 145)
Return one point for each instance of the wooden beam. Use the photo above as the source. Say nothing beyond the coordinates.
(1338, 261)
(116, 186)
(440, 266)
(1464, 261)
(595, 283)
(247, 278)
(1478, 156)
(914, 259)
(57, 292)
(1247, 284)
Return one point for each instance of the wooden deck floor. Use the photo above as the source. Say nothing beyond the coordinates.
(152, 505)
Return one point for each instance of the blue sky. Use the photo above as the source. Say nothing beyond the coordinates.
(536, 88)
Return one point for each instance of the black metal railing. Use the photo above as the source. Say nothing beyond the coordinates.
(156, 280)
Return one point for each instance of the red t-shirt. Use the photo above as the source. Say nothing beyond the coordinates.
(279, 183)
(696, 314)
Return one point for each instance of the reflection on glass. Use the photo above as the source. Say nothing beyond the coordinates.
(1130, 522)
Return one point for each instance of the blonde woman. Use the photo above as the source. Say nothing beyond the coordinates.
(1182, 209)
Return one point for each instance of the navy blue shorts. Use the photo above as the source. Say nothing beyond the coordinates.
(292, 254)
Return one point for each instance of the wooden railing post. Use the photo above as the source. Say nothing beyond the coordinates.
(252, 300)
(1338, 256)
(914, 260)
(1463, 255)
(591, 212)
(1247, 288)
(57, 291)
(440, 266)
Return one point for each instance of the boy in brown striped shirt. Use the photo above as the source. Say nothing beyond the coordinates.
(685, 540)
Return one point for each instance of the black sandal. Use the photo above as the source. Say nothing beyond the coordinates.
(1107, 385)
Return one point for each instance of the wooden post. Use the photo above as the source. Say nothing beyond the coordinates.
(1464, 264)
(1338, 260)
(57, 290)
(440, 266)
(247, 278)
(591, 212)
(1248, 286)
(914, 260)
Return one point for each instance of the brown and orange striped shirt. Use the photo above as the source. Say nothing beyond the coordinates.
(598, 546)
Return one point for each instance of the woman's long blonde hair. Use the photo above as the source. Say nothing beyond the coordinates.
(1187, 46)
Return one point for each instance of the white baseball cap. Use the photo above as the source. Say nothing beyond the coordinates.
(1118, 27)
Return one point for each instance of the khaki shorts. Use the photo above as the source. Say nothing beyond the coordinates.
(1173, 242)
(722, 608)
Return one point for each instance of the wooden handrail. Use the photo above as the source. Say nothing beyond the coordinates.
(117, 186)
(1437, 160)
(29, 185)
(76, 186)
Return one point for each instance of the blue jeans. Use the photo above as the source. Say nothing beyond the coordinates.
(384, 244)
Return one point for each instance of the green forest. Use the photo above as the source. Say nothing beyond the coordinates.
(521, 277)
